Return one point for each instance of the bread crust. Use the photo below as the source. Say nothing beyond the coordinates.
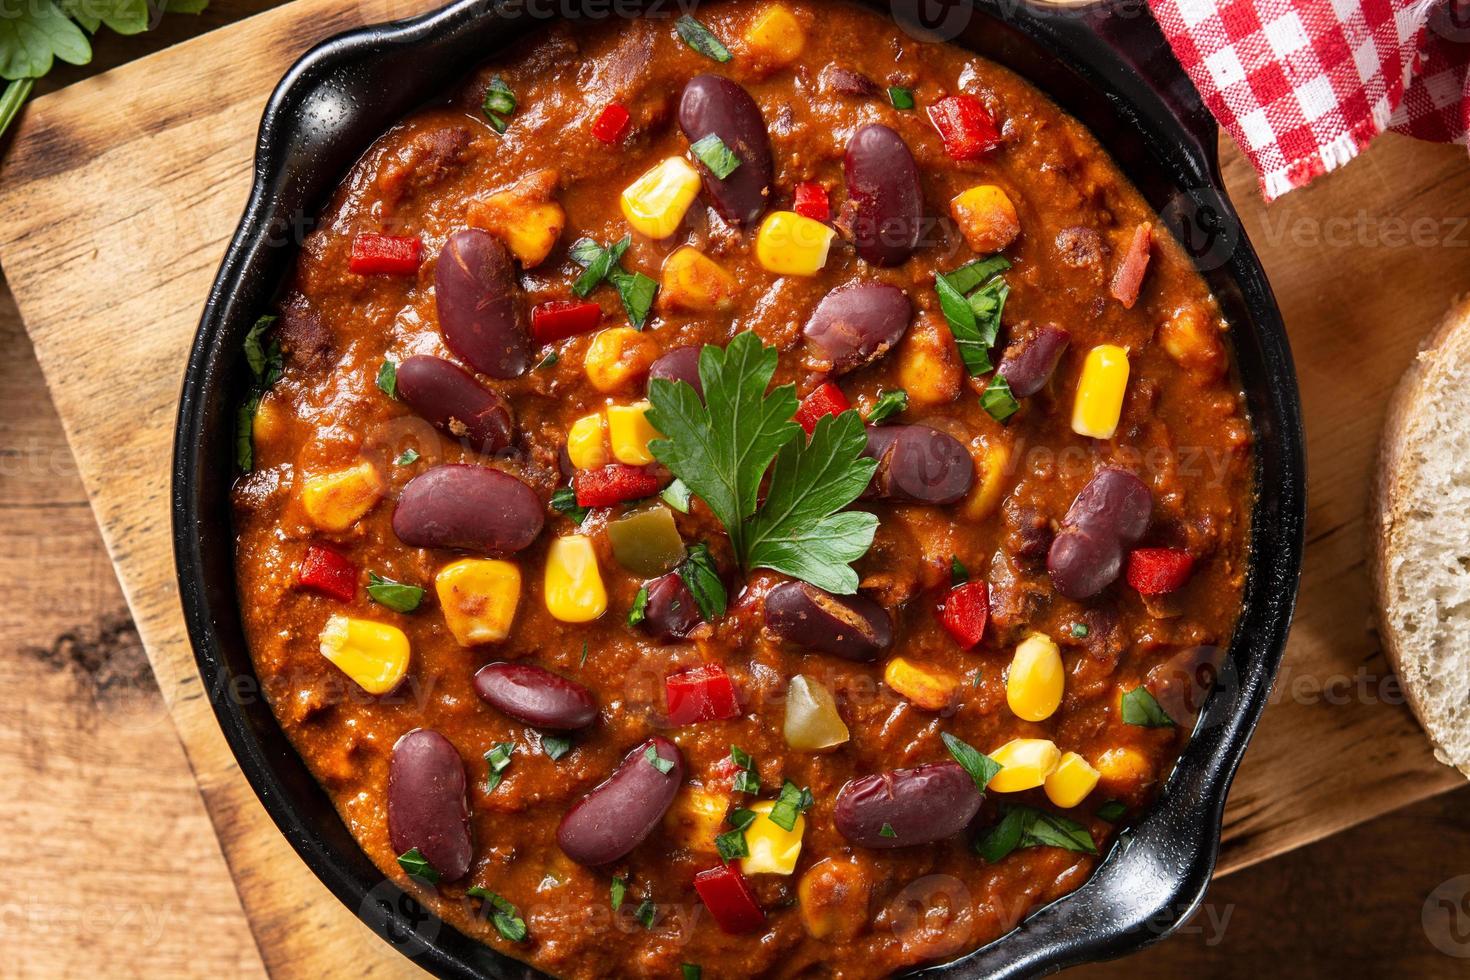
(1445, 347)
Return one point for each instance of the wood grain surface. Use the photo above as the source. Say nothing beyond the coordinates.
(111, 224)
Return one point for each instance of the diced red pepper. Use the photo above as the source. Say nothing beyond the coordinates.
(611, 124)
(827, 399)
(389, 255)
(965, 126)
(727, 895)
(563, 318)
(703, 693)
(966, 611)
(324, 570)
(811, 201)
(1157, 571)
(616, 483)
(1129, 277)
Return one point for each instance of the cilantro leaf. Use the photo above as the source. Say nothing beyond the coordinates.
(802, 530)
(721, 447)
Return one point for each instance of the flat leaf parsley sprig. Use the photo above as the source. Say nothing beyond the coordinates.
(722, 447)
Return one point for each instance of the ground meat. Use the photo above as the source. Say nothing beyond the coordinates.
(305, 340)
(422, 162)
(1028, 535)
(1083, 248)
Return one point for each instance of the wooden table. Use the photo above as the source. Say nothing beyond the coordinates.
(106, 791)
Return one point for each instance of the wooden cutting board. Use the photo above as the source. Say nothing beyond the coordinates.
(117, 198)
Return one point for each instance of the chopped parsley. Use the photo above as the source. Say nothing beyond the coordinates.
(1024, 826)
(499, 760)
(901, 98)
(889, 404)
(564, 502)
(793, 801)
(601, 264)
(639, 611)
(731, 844)
(658, 762)
(714, 154)
(692, 971)
(958, 573)
(723, 446)
(1080, 630)
(500, 103)
(972, 298)
(698, 37)
(505, 916)
(1142, 709)
(619, 889)
(981, 767)
(549, 360)
(1111, 811)
(397, 596)
(407, 457)
(646, 913)
(699, 573)
(388, 379)
(998, 400)
(418, 866)
(555, 746)
(746, 780)
(887, 831)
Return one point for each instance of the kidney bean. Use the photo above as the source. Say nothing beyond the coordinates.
(883, 185)
(452, 400)
(535, 696)
(712, 105)
(1107, 517)
(917, 464)
(426, 802)
(1181, 683)
(856, 324)
(853, 627)
(618, 814)
(480, 312)
(845, 81)
(679, 364)
(1028, 363)
(921, 805)
(470, 507)
(671, 611)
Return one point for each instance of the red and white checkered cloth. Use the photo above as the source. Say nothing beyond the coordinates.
(1304, 85)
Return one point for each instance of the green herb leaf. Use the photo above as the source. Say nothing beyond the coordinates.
(793, 801)
(1112, 811)
(887, 831)
(802, 529)
(1142, 709)
(981, 767)
(714, 154)
(1024, 826)
(746, 780)
(958, 573)
(407, 457)
(500, 102)
(397, 596)
(1004, 837)
(505, 917)
(33, 35)
(555, 746)
(998, 400)
(721, 446)
(564, 502)
(261, 356)
(699, 572)
(499, 760)
(889, 404)
(388, 379)
(583, 661)
(646, 913)
(986, 303)
(637, 614)
(698, 37)
(13, 98)
(658, 762)
(677, 496)
(1080, 630)
(973, 350)
(901, 98)
(244, 433)
(418, 866)
(978, 272)
(692, 971)
(732, 844)
(636, 291)
(619, 889)
(549, 360)
(974, 320)
(597, 261)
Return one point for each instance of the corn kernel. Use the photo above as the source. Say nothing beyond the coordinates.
(695, 817)
(776, 37)
(335, 501)
(773, 849)
(991, 463)
(618, 358)
(629, 431)
(1123, 771)
(1025, 764)
(924, 686)
(833, 899)
(1100, 392)
(525, 216)
(1034, 682)
(929, 366)
(693, 281)
(655, 203)
(374, 655)
(1072, 781)
(790, 244)
(573, 583)
(479, 598)
(585, 445)
(986, 217)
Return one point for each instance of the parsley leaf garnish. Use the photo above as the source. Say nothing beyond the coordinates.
(889, 404)
(418, 866)
(397, 596)
(746, 780)
(998, 400)
(555, 746)
(974, 319)
(732, 844)
(646, 913)
(266, 366)
(619, 889)
(499, 760)
(500, 103)
(793, 801)
(658, 762)
(722, 446)
(887, 831)
(1142, 709)
(714, 154)
(564, 502)
(981, 767)
(1024, 826)
(505, 916)
(958, 573)
(698, 37)
(388, 379)
(639, 611)
(699, 573)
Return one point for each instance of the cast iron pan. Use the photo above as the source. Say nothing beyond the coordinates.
(1108, 66)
